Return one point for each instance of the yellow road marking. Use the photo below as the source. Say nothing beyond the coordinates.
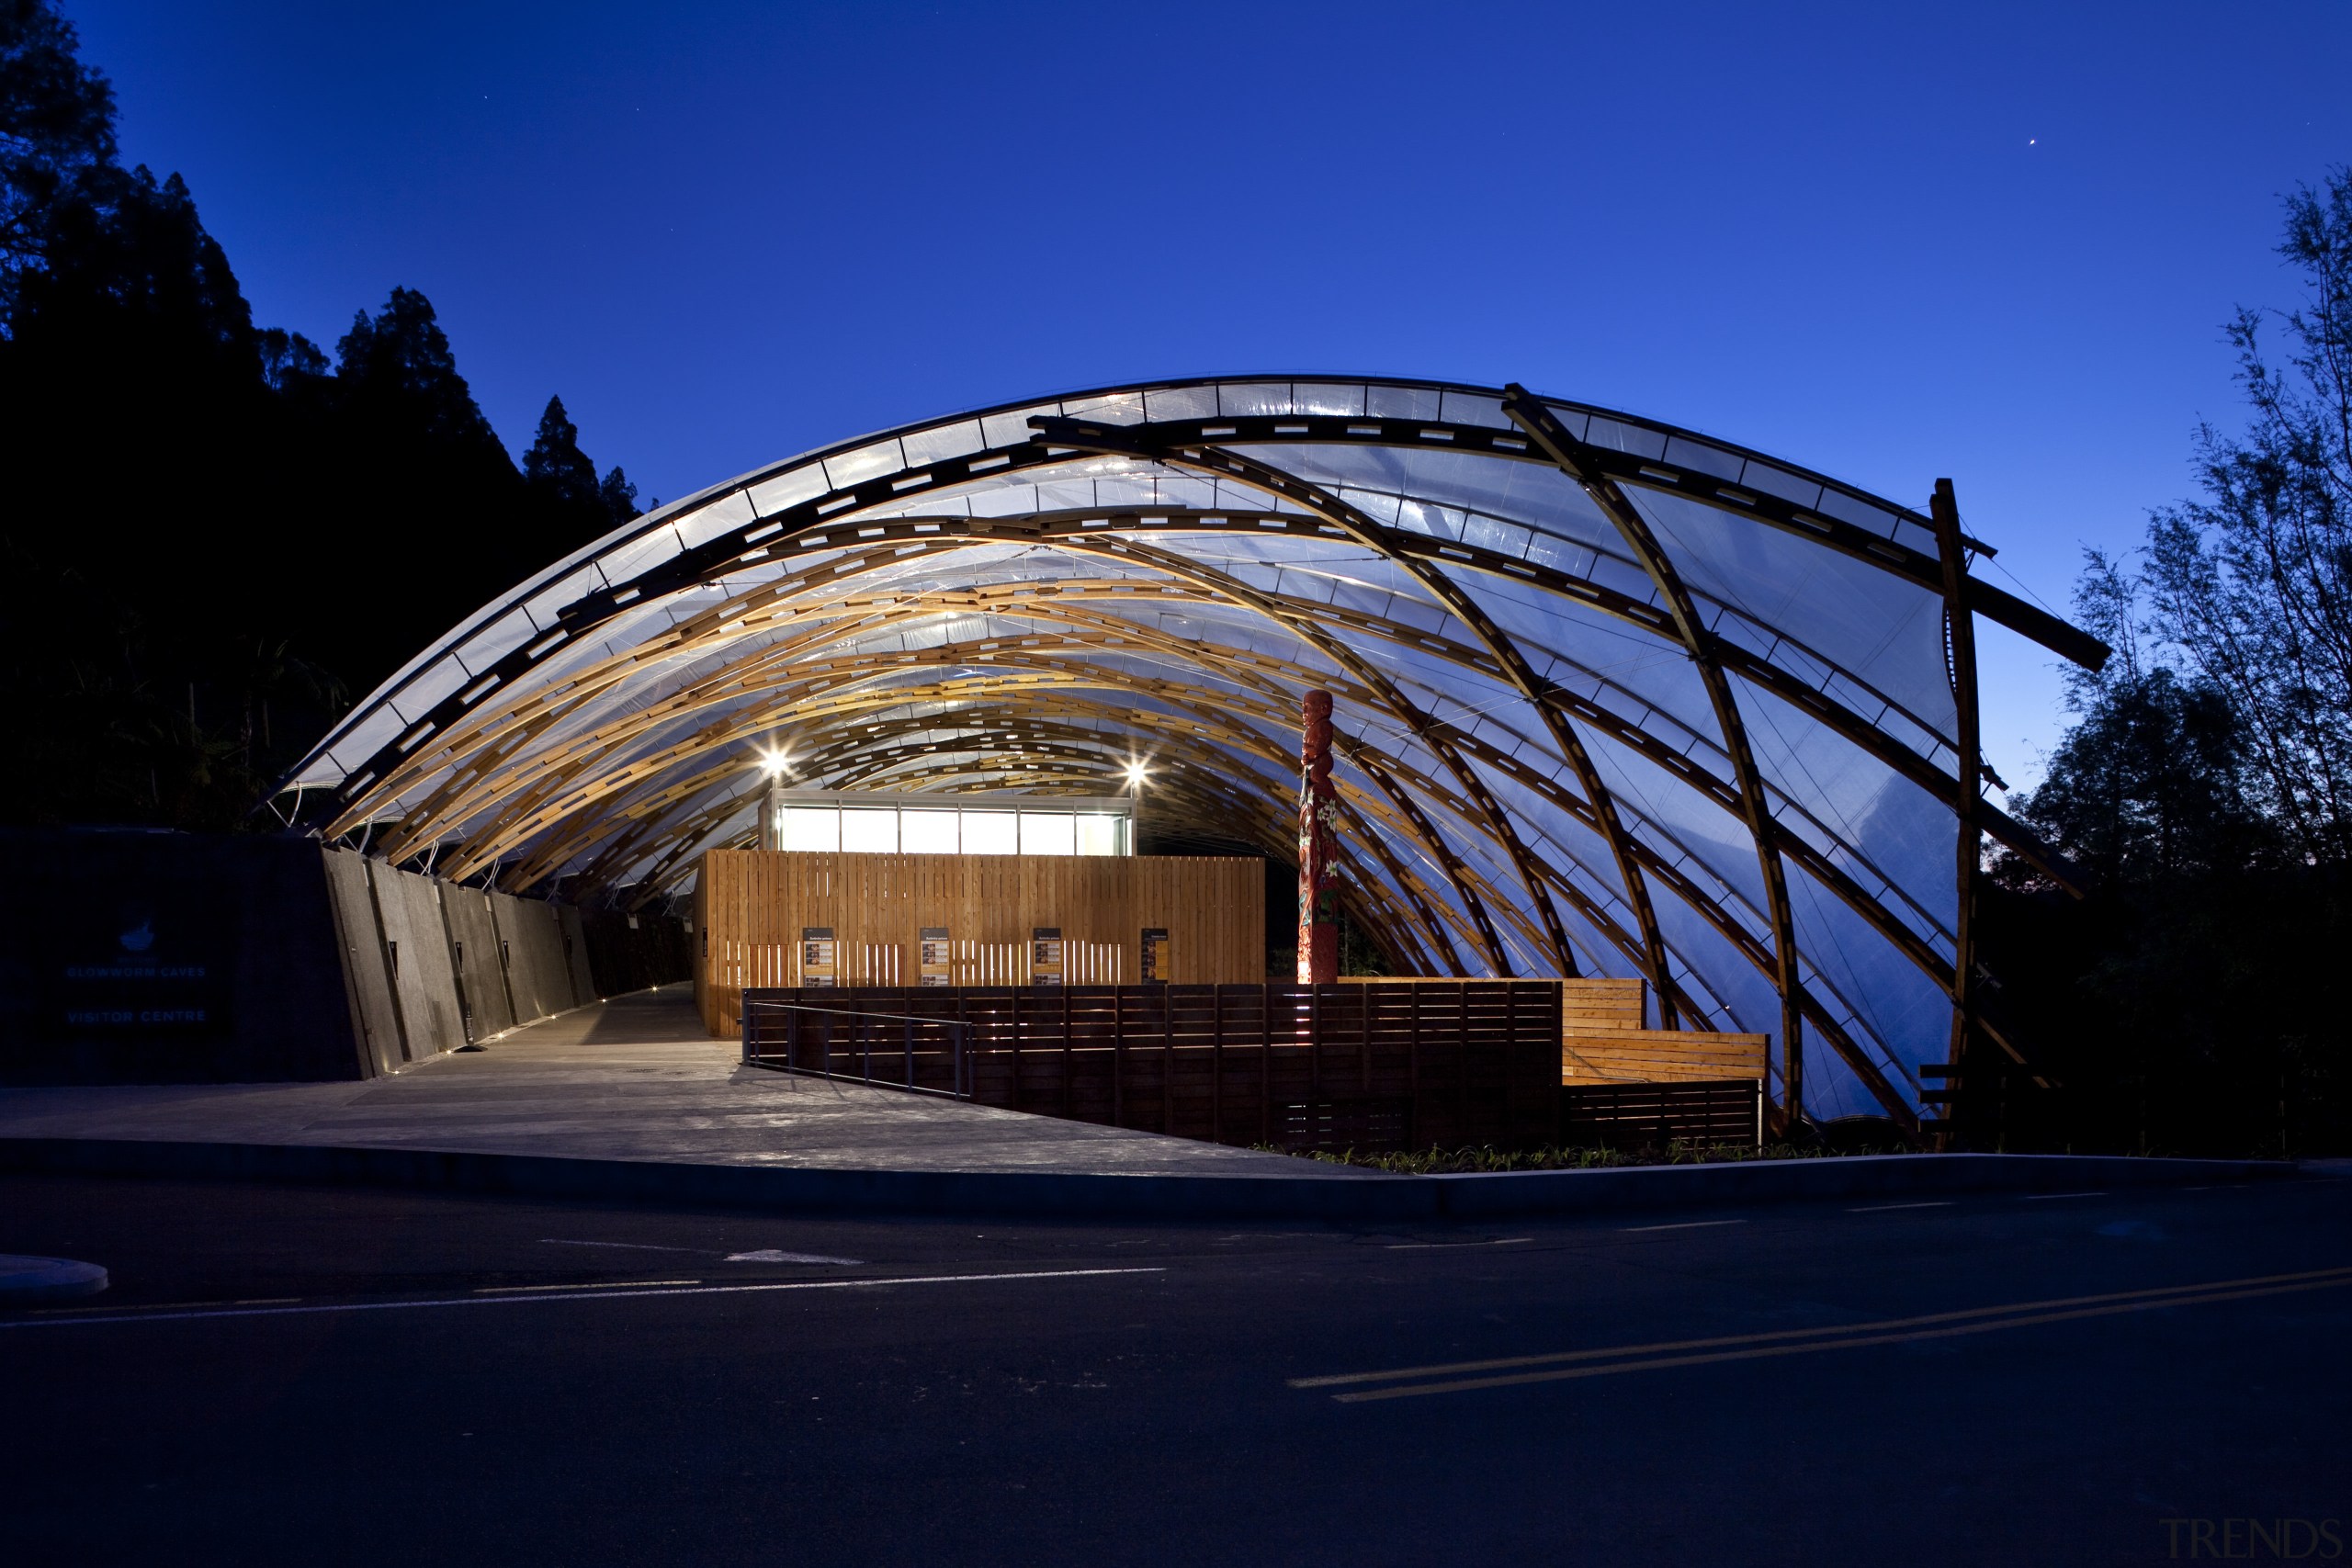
(2006, 1315)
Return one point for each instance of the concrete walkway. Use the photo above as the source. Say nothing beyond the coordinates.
(635, 1078)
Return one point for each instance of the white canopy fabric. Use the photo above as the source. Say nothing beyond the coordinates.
(1611, 698)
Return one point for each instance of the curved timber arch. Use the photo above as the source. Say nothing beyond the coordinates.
(1610, 697)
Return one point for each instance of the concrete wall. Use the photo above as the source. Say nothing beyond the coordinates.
(531, 935)
(576, 954)
(375, 1014)
(473, 943)
(129, 956)
(416, 946)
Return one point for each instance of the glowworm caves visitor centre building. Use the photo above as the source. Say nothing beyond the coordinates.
(1609, 702)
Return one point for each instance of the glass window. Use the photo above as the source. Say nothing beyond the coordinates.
(809, 827)
(1048, 833)
(870, 832)
(927, 832)
(1098, 835)
(990, 833)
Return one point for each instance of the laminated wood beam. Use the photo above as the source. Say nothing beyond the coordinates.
(1576, 460)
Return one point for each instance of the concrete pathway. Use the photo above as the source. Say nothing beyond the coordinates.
(634, 1078)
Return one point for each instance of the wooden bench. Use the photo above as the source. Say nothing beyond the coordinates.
(1602, 1040)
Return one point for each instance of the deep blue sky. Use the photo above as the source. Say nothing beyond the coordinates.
(1994, 243)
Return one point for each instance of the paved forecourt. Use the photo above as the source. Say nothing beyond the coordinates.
(634, 1078)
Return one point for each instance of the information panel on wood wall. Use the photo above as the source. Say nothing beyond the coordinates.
(1045, 955)
(935, 954)
(1155, 956)
(816, 957)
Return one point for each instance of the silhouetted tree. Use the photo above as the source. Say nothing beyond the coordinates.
(56, 130)
(2252, 582)
(290, 360)
(555, 464)
(2197, 999)
(394, 371)
(2154, 782)
(619, 496)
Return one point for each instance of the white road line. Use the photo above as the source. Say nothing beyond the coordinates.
(625, 1245)
(1890, 1208)
(576, 1296)
(612, 1285)
(2046, 1197)
(1448, 1245)
(770, 1255)
(1685, 1225)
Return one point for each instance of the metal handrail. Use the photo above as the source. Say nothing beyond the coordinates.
(959, 1037)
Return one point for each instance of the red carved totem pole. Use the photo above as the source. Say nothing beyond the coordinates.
(1318, 843)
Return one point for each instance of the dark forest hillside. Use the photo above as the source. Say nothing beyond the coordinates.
(216, 536)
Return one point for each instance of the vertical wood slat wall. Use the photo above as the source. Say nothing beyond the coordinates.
(751, 907)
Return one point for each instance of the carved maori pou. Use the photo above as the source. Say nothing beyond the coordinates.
(1318, 902)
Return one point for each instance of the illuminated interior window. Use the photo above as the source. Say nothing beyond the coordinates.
(928, 832)
(992, 833)
(809, 827)
(870, 832)
(1048, 833)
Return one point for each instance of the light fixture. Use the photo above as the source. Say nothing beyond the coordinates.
(774, 763)
(1137, 773)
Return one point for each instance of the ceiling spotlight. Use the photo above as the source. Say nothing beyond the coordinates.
(1137, 773)
(774, 763)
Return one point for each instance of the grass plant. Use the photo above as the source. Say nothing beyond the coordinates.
(1486, 1159)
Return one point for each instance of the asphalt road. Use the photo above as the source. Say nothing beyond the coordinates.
(302, 1375)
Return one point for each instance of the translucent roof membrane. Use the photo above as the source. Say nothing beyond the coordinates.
(1531, 735)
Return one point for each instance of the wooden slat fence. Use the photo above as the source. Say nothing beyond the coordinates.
(1372, 1067)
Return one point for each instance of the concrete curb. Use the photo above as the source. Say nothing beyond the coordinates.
(47, 1279)
(1048, 1194)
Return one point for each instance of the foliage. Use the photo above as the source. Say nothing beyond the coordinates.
(1488, 1160)
(2252, 582)
(56, 132)
(2196, 1000)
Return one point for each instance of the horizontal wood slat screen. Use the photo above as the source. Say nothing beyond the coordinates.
(1651, 1115)
(753, 906)
(1372, 1067)
(1602, 1039)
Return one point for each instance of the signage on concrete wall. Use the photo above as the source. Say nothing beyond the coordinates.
(152, 964)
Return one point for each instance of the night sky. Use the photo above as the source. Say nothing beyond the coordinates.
(1997, 246)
